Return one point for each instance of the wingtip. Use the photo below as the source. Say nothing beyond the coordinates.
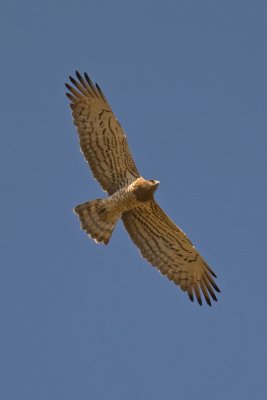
(199, 301)
(208, 302)
(79, 76)
(87, 76)
(191, 297)
(217, 288)
(72, 79)
(211, 271)
(88, 79)
(72, 100)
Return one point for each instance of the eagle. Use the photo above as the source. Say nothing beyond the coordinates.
(131, 197)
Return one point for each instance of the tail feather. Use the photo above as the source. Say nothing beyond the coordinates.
(94, 219)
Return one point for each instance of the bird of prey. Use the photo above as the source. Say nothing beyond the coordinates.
(130, 196)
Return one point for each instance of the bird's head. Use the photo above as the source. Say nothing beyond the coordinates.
(144, 189)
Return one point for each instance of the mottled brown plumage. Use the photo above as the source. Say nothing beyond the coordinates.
(131, 197)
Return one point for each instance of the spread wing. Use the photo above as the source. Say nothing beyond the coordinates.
(166, 247)
(102, 139)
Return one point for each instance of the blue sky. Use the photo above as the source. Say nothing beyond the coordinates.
(187, 80)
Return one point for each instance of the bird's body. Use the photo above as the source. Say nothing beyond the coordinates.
(109, 210)
(131, 197)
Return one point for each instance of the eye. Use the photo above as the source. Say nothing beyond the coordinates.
(152, 180)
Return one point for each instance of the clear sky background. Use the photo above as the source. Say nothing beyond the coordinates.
(187, 80)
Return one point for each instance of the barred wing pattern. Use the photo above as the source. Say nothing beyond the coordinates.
(102, 139)
(166, 247)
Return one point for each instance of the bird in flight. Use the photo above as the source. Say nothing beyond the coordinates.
(130, 196)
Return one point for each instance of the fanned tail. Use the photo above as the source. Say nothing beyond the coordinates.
(96, 222)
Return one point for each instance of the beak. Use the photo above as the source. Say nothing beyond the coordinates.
(157, 183)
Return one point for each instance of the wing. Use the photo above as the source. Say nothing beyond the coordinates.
(166, 247)
(102, 139)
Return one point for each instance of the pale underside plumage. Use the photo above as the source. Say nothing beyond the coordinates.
(161, 242)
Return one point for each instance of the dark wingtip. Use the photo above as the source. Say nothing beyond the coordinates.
(101, 93)
(90, 83)
(98, 88)
(208, 301)
(199, 300)
(78, 74)
(213, 296)
(88, 80)
(72, 79)
(191, 297)
(211, 271)
(216, 288)
(87, 77)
